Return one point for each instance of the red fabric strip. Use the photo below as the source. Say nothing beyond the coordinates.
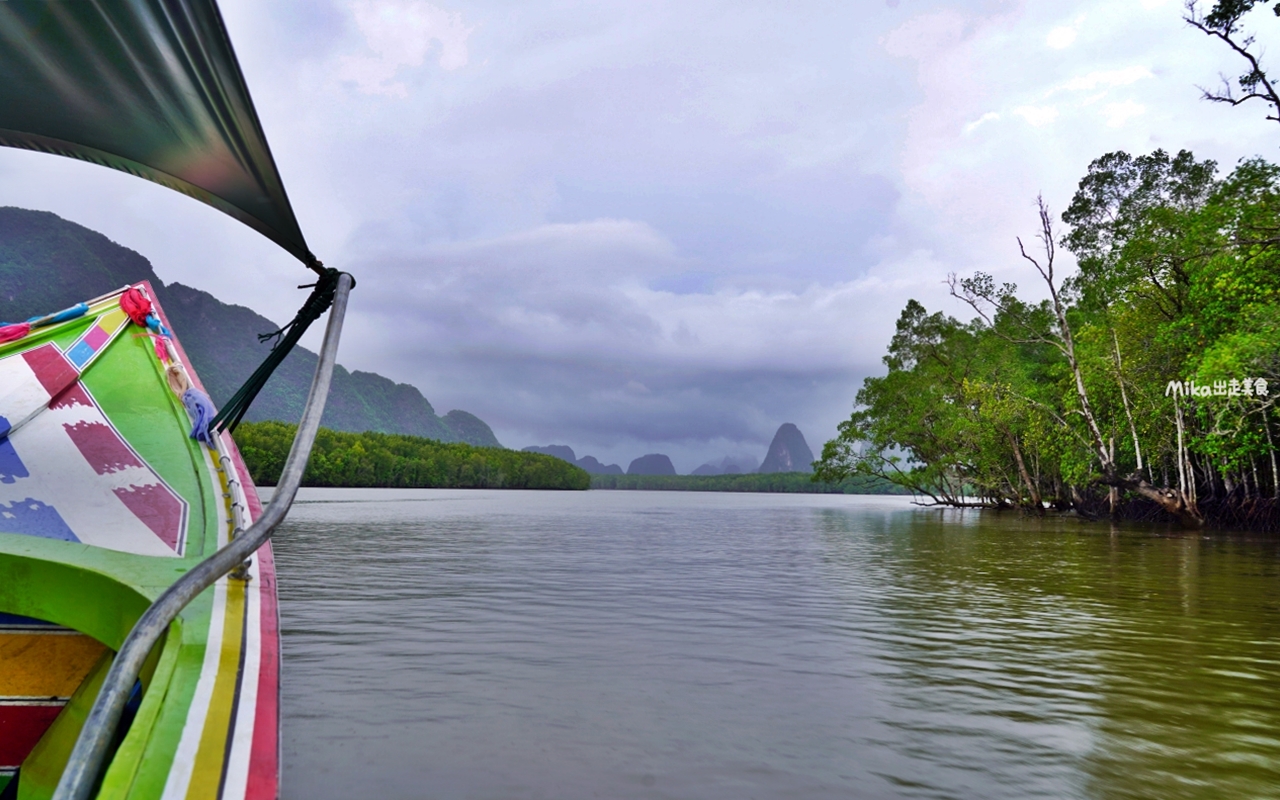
(10, 333)
(134, 303)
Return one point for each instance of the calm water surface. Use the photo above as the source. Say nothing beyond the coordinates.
(493, 645)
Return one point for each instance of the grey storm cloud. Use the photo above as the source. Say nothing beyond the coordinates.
(663, 226)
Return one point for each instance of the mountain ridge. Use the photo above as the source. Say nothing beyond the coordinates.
(219, 338)
(565, 453)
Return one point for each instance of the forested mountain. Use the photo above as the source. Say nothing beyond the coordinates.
(788, 452)
(48, 263)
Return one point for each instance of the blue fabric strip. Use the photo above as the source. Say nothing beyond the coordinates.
(78, 310)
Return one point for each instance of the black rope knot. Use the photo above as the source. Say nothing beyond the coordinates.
(317, 303)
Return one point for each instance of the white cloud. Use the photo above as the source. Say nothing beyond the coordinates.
(1039, 116)
(1061, 37)
(558, 312)
(1107, 78)
(990, 116)
(578, 292)
(401, 33)
(1119, 113)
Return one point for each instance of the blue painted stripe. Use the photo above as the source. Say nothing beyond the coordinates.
(31, 517)
(18, 621)
(80, 354)
(11, 466)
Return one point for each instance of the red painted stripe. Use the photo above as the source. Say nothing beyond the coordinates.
(20, 728)
(54, 372)
(101, 447)
(74, 395)
(96, 336)
(155, 505)
(264, 756)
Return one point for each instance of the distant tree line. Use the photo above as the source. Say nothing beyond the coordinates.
(1143, 385)
(786, 482)
(383, 460)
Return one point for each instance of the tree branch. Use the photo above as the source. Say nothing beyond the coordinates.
(1225, 29)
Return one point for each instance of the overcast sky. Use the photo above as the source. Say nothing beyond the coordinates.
(662, 226)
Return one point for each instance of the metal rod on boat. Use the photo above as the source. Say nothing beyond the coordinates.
(85, 764)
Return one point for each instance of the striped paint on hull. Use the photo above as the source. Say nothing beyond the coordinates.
(229, 747)
(262, 781)
(46, 663)
(41, 666)
(216, 757)
(65, 471)
(22, 723)
(208, 723)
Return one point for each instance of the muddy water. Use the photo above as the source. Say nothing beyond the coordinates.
(452, 644)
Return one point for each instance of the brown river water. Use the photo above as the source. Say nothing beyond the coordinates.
(495, 645)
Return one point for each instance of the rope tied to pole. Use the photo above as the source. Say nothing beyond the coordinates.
(321, 297)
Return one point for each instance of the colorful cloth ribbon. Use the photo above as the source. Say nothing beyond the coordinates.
(11, 333)
(78, 310)
(201, 409)
(153, 323)
(134, 303)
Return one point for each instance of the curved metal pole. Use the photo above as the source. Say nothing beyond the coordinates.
(81, 774)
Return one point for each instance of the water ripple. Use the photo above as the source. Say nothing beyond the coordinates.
(650, 645)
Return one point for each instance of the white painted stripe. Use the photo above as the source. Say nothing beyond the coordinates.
(241, 751)
(247, 710)
(224, 520)
(61, 477)
(24, 395)
(127, 478)
(184, 761)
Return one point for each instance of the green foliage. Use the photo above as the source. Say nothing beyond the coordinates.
(396, 461)
(1178, 280)
(785, 482)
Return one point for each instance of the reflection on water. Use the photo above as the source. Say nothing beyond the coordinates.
(650, 645)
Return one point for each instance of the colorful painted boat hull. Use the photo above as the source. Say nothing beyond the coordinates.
(105, 500)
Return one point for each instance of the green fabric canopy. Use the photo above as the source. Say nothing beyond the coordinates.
(150, 87)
